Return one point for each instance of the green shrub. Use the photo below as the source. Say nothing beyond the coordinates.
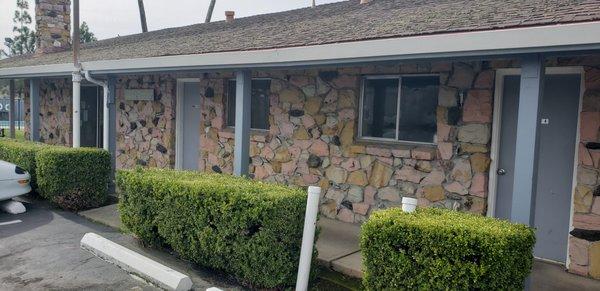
(74, 179)
(444, 250)
(22, 154)
(250, 229)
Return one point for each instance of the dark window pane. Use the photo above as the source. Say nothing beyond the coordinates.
(418, 103)
(380, 103)
(259, 115)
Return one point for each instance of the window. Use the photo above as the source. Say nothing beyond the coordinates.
(259, 115)
(399, 108)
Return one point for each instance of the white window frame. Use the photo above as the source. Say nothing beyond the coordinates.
(395, 140)
(227, 104)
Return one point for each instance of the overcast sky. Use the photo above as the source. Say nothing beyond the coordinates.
(109, 18)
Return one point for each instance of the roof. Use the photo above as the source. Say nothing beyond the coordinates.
(346, 21)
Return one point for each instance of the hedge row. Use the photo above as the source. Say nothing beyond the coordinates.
(73, 179)
(250, 229)
(435, 249)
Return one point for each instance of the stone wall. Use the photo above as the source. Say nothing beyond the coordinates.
(312, 140)
(146, 129)
(55, 111)
(584, 252)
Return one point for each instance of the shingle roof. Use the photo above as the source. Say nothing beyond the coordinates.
(331, 23)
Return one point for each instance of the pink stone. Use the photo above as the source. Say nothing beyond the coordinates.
(302, 168)
(584, 156)
(479, 185)
(478, 106)
(590, 122)
(260, 172)
(401, 153)
(267, 153)
(388, 161)
(446, 150)
(436, 177)
(423, 153)
(226, 134)
(346, 114)
(578, 251)
(319, 148)
(586, 221)
(336, 161)
(310, 179)
(578, 269)
(286, 128)
(596, 206)
(294, 151)
(288, 168)
(409, 174)
(303, 144)
(485, 79)
(346, 215)
(360, 208)
(456, 187)
(308, 121)
(596, 158)
(382, 152)
(351, 164)
(443, 131)
(369, 195)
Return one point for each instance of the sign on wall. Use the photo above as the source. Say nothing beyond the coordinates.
(139, 94)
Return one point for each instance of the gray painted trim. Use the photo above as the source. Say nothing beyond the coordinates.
(112, 129)
(34, 104)
(526, 153)
(242, 120)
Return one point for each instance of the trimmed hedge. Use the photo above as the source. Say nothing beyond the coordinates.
(250, 229)
(444, 250)
(21, 153)
(73, 178)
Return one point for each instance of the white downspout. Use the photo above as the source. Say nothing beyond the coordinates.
(105, 120)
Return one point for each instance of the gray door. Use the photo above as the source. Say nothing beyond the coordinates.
(560, 105)
(191, 125)
(91, 116)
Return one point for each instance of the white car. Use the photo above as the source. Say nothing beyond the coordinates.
(14, 181)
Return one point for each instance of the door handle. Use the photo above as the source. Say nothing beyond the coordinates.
(501, 172)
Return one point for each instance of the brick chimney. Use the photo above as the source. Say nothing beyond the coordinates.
(53, 25)
(229, 16)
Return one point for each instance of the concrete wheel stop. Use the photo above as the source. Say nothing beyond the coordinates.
(137, 264)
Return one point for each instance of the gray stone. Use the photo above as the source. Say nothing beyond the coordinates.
(447, 96)
(335, 194)
(389, 194)
(462, 77)
(355, 194)
(314, 161)
(474, 133)
(587, 176)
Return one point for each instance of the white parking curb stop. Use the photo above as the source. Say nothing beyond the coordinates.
(135, 263)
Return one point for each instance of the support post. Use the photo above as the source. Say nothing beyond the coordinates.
(308, 237)
(112, 130)
(34, 98)
(242, 123)
(11, 109)
(526, 148)
(76, 109)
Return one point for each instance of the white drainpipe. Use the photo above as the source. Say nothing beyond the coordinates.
(105, 121)
(76, 109)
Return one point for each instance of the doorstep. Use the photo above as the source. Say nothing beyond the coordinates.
(107, 215)
(338, 246)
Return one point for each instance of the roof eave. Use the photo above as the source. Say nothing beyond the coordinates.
(540, 39)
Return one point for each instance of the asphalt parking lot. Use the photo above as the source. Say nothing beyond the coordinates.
(39, 250)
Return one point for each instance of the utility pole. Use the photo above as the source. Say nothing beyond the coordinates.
(211, 7)
(143, 16)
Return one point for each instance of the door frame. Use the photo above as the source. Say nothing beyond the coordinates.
(496, 127)
(98, 121)
(179, 120)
